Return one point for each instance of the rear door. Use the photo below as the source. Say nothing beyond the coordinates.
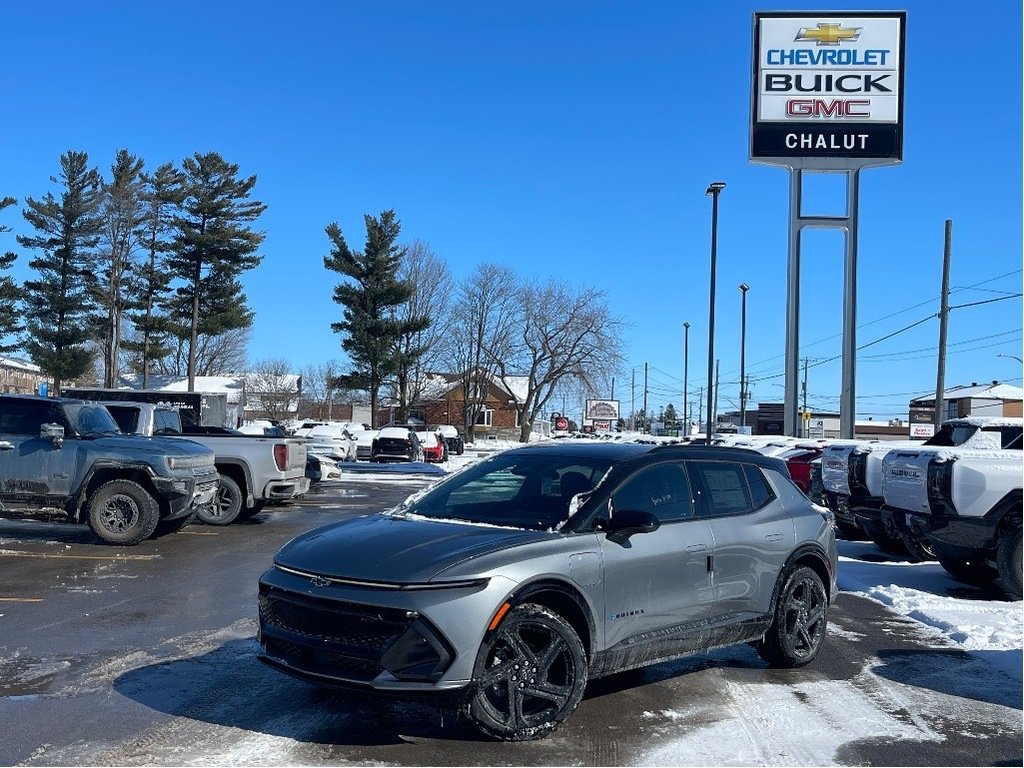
(753, 534)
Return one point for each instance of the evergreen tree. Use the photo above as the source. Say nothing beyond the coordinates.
(370, 330)
(60, 305)
(150, 280)
(122, 211)
(9, 292)
(213, 245)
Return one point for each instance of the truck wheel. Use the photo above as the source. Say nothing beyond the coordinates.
(529, 677)
(1008, 558)
(122, 512)
(226, 506)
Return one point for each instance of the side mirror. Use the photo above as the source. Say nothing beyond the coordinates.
(54, 432)
(629, 521)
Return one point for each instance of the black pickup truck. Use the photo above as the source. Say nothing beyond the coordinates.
(65, 455)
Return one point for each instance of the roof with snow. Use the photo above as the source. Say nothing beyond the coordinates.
(993, 391)
(437, 385)
(21, 365)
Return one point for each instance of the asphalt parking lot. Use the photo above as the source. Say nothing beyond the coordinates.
(147, 656)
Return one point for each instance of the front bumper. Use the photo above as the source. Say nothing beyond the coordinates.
(186, 494)
(383, 639)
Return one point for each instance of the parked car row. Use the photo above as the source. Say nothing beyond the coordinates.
(955, 498)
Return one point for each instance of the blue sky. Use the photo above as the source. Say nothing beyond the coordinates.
(571, 140)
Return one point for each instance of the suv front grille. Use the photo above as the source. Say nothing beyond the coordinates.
(348, 641)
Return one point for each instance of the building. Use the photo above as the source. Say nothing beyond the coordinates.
(442, 400)
(19, 377)
(993, 399)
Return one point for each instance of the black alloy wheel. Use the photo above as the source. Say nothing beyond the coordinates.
(530, 675)
(798, 627)
(227, 504)
(1008, 558)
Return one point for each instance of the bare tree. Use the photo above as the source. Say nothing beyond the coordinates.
(422, 351)
(483, 321)
(219, 354)
(271, 389)
(562, 336)
(320, 387)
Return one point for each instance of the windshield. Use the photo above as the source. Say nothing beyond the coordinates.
(952, 435)
(90, 419)
(532, 491)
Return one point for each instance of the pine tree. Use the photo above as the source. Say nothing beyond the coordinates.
(10, 294)
(150, 280)
(213, 245)
(122, 210)
(60, 305)
(370, 329)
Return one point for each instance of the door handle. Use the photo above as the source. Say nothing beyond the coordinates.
(696, 547)
(773, 537)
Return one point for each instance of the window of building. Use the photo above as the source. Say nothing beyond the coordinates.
(485, 417)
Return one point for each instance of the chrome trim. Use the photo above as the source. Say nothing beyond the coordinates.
(321, 580)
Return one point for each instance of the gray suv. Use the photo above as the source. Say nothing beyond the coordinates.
(508, 585)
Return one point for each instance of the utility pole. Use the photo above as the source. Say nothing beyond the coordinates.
(806, 423)
(646, 419)
(940, 374)
(700, 405)
(632, 401)
(714, 414)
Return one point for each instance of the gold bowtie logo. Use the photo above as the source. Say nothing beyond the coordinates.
(827, 33)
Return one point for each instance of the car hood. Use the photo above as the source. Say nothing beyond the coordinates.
(395, 549)
(153, 445)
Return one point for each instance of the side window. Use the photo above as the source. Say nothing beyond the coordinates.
(721, 488)
(127, 418)
(1011, 438)
(662, 489)
(165, 423)
(26, 418)
(760, 492)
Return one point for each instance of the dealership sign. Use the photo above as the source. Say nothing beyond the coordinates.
(828, 86)
(601, 409)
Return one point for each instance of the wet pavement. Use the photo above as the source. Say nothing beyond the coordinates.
(146, 655)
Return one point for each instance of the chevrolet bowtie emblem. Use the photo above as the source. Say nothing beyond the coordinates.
(827, 33)
(320, 581)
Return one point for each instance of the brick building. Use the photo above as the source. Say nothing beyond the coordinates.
(19, 377)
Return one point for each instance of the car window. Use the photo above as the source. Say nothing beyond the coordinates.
(166, 422)
(662, 489)
(721, 488)
(1011, 438)
(760, 492)
(127, 418)
(531, 491)
(26, 417)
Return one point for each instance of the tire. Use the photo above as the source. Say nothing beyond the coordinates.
(122, 512)
(798, 626)
(918, 547)
(1008, 559)
(227, 505)
(529, 677)
(877, 533)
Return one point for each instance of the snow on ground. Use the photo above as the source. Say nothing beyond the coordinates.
(990, 629)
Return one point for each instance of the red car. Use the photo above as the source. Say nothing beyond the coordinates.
(798, 461)
(434, 447)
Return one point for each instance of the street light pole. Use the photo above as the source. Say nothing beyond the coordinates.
(714, 189)
(686, 376)
(743, 356)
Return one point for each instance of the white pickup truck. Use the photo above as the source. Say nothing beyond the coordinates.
(253, 470)
(960, 498)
